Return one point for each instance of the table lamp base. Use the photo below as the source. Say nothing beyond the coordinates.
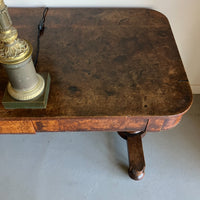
(37, 103)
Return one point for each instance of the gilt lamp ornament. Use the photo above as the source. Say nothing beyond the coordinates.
(25, 86)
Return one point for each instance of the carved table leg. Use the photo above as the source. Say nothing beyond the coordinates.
(135, 153)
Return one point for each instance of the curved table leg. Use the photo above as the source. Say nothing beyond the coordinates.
(135, 154)
(136, 157)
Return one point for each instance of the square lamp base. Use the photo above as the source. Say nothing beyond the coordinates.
(38, 103)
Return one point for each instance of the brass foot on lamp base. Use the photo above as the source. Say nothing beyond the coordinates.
(25, 95)
(38, 103)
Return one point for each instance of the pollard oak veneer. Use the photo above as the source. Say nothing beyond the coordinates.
(111, 70)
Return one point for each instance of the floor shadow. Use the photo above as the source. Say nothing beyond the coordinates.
(118, 150)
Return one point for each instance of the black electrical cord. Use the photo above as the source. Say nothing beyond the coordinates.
(41, 28)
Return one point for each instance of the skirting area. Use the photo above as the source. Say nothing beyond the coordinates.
(195, 89)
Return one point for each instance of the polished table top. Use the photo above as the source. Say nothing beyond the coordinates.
(104, 63)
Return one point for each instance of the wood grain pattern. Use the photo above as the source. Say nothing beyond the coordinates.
(16, 127)
(90, 124)
(107, 66)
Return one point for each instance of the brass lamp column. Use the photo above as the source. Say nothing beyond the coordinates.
(16, 57)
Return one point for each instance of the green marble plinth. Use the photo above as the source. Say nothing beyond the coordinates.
(37, 103)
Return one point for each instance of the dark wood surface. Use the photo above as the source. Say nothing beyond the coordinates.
(111, 69)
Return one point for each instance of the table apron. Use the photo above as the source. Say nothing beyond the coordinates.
(31, 126)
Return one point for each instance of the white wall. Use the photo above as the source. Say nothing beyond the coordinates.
(183, 15)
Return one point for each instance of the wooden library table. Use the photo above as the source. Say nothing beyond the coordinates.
(111, 70)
